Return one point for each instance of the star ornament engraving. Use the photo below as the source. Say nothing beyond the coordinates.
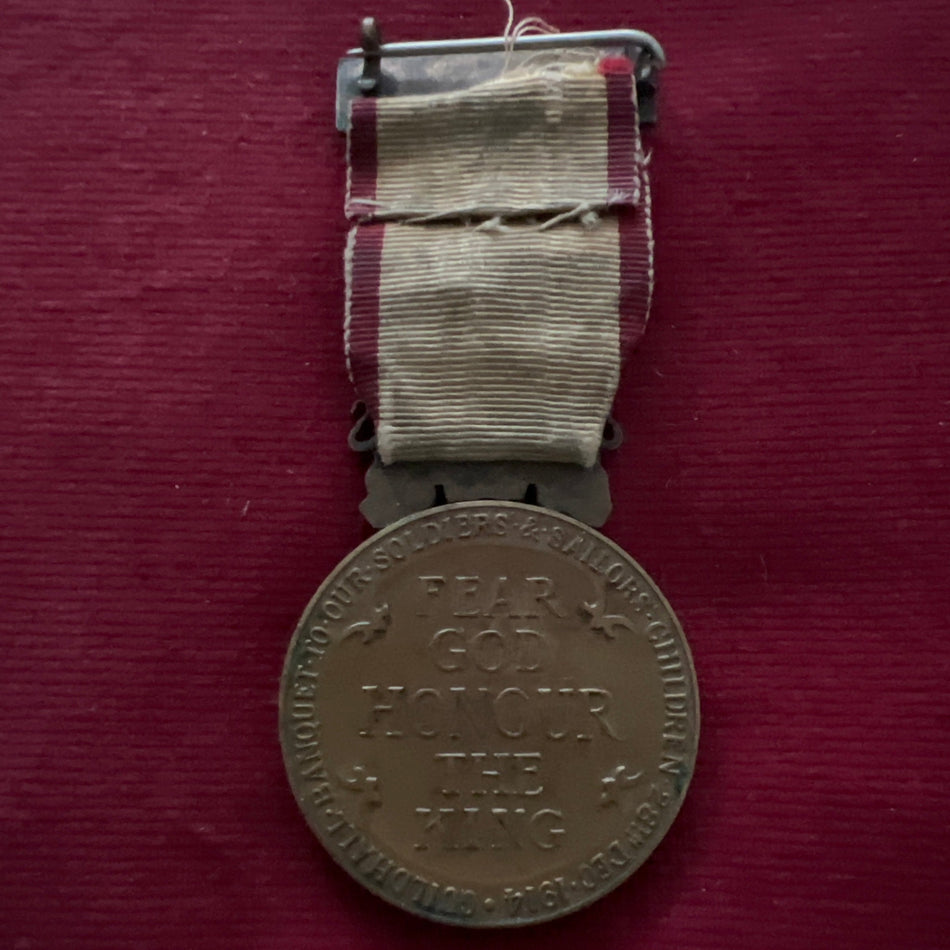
(619, 779)
(371, 630)
(359, 781)
(602, 623)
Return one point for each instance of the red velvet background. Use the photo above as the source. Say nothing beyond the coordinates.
(175, 478)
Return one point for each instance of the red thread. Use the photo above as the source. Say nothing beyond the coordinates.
(615, 66)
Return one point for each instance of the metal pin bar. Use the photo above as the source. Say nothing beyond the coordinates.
(447, 65)
(497, 44)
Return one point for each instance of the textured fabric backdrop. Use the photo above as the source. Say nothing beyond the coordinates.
(175, 479)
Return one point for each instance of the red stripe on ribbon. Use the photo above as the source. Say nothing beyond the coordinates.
(364, 164)
(364, 275)
(626, 182)
(622, 131)
(636, 267)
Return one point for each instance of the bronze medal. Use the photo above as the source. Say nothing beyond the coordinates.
(489, 714)
(488, 711)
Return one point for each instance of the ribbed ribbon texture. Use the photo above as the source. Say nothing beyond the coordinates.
(501, 263)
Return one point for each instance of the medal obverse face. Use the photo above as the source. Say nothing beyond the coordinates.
(489, 714)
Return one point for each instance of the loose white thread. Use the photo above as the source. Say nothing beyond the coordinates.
(584, 212)
(529, 25)
(511, 19)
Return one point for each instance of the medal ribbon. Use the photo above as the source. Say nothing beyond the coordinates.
(501, 264)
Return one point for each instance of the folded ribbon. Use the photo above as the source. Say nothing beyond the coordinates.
(483, 324)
